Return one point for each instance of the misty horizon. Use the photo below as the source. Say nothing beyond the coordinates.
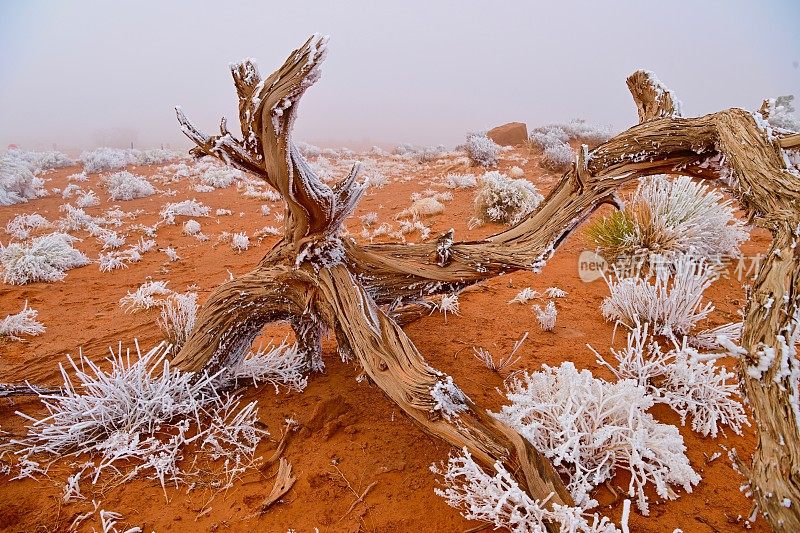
(88, 74)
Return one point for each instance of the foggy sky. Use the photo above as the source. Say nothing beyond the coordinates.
(85, 73)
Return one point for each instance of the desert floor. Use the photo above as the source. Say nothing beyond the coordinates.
(350, 435)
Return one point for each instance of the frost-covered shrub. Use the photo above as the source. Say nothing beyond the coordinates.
(139, 417)
(87, 199)
(103, 159)
(191, 227)
(589, 428)
(460, 181)
(17, 183)
(525, 295)
(45, 258)
(308, 150)
(557, 158)
(481, 149)
(499, 500)
(781, 113)
(547, 316)
(21, 225)
(220, 177)
(505, 200)
(516, 172)
(240, 242)
(113, 260)
(39, 162)
(424, 207)
(671, 216)
(553, 135)
(22, 323)
(189, 208)
(377, 179)
(127, 186)
(671, 302)
(146, 296)
(683, 379)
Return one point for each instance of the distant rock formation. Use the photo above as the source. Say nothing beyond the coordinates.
(511, 134)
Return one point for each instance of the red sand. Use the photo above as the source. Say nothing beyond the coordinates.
(342, 421)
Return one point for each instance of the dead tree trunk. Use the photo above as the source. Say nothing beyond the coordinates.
(315, 278)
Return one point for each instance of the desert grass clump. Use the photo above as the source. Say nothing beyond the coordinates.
(546, 316)
(148, 295)
(666, 217)
(22, 323)
(128, 186)
(140, 417)
(505, 200)
(178, 316)
(45, 258)
(481, 149)
(671, 300)
(590, 428)
(284, 364)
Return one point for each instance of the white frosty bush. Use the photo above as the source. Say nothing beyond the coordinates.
(524, 296)
(460, 181)
(505, 200)
(103, 159)
(39, 162)
(127, 186)
(481, 149)
(189, 208)
(22, 323)
(21, 225)
(146, 296)
(552, 135)
(781, 113)
(668, 216)
(449, 304)
(589, 428)
(220, 177)
(191, 227)
(45, 258)
(671, 302)
(240, 242)
(87, 199)
(682, 379)
(139, 417)
(500, 501)
(547, 316)
(557, 158)
(17, 183)
(424, 207)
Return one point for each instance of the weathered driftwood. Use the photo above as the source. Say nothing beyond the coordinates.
(317, 279)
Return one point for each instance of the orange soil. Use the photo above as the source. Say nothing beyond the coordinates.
(342, 421)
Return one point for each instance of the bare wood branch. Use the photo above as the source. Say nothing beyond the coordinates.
(283, 482)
